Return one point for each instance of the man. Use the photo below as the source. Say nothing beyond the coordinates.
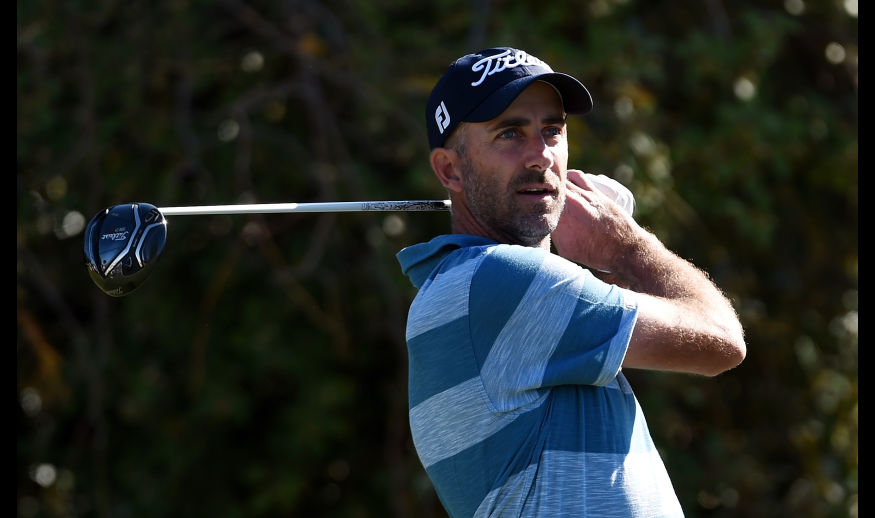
(518, 405)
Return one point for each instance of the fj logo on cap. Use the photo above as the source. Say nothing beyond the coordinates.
(507, 59)
(442, 117)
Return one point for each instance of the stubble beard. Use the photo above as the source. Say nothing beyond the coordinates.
(499, 209)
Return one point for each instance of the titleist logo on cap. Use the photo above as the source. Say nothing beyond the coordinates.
(507, 59)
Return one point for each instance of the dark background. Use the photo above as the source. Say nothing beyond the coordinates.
(261, 370)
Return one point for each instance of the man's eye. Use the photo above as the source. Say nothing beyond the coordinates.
(508, 133)
(553, 131)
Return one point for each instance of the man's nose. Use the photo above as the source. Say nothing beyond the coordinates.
(539, 155)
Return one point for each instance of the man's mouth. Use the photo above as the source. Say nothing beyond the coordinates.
(536, 191)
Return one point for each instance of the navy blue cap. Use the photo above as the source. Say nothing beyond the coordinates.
(478, 87)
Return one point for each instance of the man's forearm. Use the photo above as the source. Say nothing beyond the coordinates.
(684, 322)
(688, 308)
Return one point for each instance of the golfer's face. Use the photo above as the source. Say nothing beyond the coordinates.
(514, 169)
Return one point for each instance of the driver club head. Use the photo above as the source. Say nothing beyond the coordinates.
(122, 244)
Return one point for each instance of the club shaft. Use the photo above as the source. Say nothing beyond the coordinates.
(334, 206)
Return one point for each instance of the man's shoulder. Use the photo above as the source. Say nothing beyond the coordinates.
(419, 261)
(439, 246)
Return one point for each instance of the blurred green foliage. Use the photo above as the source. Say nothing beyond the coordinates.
(261, 370)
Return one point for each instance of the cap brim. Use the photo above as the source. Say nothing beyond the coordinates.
(576, 99)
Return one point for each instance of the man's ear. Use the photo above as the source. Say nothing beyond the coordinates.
(444, 163)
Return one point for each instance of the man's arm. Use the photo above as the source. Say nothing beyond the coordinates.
(685, 323)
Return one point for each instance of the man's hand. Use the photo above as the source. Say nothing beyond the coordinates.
(593, 229)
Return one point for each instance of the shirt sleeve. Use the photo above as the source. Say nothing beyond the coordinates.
(538, 320)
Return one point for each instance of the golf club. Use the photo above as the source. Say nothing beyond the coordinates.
(123, 242)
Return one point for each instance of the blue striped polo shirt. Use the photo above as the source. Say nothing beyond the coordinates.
(517, 404)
